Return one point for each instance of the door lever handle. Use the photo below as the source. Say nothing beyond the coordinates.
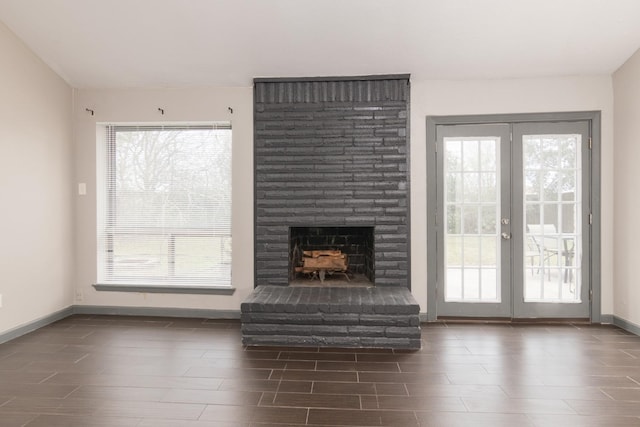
(506, 236)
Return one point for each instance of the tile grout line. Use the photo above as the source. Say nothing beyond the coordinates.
(49, 377)
(7, 402)
(637, 382)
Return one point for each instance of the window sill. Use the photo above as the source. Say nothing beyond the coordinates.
(165, 289)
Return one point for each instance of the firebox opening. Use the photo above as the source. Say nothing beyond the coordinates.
(331, 256)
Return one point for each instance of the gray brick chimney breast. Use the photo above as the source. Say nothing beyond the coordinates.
(332, 152)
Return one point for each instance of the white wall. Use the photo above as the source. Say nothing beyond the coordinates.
(428, 98)
(45, 257)
(626, 86)
(196, 104)
(36, 169)
(498, 97)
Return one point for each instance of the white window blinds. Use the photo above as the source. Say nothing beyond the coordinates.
(164, 205)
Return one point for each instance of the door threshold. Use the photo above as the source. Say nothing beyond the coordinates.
(509, 320)
(562, 320)
(456, 319)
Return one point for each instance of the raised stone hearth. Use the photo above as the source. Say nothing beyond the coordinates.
(382, 317)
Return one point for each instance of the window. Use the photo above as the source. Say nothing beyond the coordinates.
(164, 205)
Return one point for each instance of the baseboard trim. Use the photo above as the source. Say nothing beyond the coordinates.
(200, 314)
(119, 311)
(606, 319)
(156, 311)
(35, 324)
(626, 325)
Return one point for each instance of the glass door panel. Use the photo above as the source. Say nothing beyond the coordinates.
(550, 157)
(552, 165)
(472, 203)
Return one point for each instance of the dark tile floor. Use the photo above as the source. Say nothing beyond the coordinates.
(159, 372)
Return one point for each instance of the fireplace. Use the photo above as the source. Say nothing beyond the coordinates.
(331, 167)
(352, 249)
(331, 158)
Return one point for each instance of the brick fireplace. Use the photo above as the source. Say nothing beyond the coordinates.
(332, 153)
(332, 180)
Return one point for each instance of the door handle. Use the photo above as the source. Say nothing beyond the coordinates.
(506, 236)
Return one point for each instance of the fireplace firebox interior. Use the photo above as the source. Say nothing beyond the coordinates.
(353, 246)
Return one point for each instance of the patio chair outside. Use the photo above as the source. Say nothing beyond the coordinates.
(552, 244)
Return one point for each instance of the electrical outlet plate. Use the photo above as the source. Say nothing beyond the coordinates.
(78, 295)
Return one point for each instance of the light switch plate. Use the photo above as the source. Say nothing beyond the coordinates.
(82, 189)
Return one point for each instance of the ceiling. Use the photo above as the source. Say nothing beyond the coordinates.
(178, 43)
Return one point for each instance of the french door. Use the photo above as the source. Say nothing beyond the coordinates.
(513, 217)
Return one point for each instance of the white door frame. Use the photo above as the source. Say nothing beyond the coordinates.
(593, 117)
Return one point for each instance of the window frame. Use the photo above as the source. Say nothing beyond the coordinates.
(106, 202)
